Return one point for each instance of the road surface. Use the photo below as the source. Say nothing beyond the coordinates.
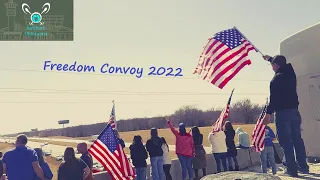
(171, 147)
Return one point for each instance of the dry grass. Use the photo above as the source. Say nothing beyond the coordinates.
(54, 165)
(166, 133)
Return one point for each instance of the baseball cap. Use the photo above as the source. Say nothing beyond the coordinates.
(181, 125)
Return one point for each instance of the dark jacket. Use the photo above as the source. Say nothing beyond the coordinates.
(154, 147)
(283, 90)
(123, 145)
(46, 170)
(232, 150)
(198, 140)
(138, 155)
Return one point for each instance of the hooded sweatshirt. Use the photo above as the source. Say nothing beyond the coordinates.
(138, 155)
(243, 137)
(154, 144)
(283, 90)
(218, 142)
(184, 143)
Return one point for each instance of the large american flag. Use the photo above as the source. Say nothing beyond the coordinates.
(218, 125)
(108, 151)
(224, 55)
(259, 132)
(112, 119)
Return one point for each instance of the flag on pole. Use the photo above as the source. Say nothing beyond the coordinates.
(224, 55)
(218, 125)
(112, 119)
(107, 150)
(259, 132)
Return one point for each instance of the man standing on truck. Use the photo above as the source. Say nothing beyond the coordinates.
(284, 102)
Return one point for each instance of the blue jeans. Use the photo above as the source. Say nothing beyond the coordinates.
(186, 165)
(141, 173)
(157, 168)
(221, 158)
(267, 155)
(288, 124)
(236, 165)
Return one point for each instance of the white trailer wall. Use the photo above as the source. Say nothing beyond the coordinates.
(302, 50)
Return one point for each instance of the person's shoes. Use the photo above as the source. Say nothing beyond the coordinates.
(236, 168)
(303, 171)
(230, 168)
(291, 174)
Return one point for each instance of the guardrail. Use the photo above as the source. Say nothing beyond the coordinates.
(246, 158)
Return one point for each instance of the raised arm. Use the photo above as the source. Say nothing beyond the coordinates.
(174, 131)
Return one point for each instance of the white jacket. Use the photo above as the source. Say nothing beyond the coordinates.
(166, 155)
(218, 142)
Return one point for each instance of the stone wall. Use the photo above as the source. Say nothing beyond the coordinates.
(246, 158)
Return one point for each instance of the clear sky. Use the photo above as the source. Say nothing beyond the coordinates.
(140, 33)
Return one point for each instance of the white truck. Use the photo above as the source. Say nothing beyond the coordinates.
(302, 50)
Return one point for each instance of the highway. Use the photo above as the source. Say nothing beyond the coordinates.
(171, 147)
(59, 150)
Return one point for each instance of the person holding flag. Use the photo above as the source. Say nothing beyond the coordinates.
(217, 138)
(108, 151)
(284, 102)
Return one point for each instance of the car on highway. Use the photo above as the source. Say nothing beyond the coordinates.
(59, 157)
(46, 153)
(98, 166)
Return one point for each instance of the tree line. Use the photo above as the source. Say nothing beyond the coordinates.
(241, 112)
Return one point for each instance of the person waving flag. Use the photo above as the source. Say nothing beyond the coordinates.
(225, 54)
(107, 150)
(259, 131)
(218, 125)
(112, 119)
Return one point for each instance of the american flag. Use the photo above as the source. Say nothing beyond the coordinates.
(218, 125)
(259, 132)
(224, 55)
(108, 151)
(112, 120)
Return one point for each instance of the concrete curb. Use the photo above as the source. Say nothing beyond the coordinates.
(246, 158)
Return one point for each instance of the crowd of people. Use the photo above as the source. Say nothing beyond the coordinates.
(26, 163)
(23, 162)
(191, 153)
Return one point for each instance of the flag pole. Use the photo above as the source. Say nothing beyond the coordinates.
(115, 123)
(248, 40)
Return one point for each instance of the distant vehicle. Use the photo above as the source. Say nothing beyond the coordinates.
(59, 157)
(47, 153)
(46, 143)
(93, 138)
(98, 166)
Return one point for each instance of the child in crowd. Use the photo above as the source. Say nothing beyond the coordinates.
(139, 155)
(166, 159)
(268, 153)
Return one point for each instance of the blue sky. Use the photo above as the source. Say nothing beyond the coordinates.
(141, 34)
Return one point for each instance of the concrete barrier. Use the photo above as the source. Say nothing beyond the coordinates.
(246, 158)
